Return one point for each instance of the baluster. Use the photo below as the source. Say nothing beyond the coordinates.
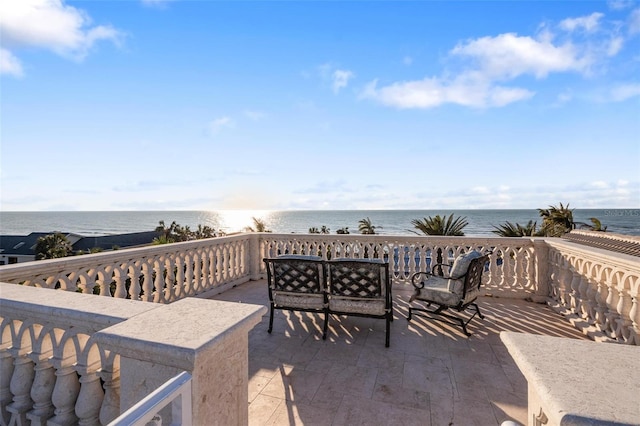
(20, 386)
(134, 280)
(517, 273)
(110, 408)
(193, 265)
(65, 392)
(42, 389)
(634, 314)
(178, 286)
(583, 300)
(565, 282)
(6, 373)
(89, 401)
(623, 323)
(118, 276)
(612, 303)
(601, 304)
(506, 268)
(158, 281)
(574, 294)
(553, 274)
(591, 301)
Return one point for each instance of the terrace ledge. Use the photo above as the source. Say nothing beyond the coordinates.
(207, 338)
(577, 382)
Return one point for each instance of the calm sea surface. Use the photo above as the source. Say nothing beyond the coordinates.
(481, 222)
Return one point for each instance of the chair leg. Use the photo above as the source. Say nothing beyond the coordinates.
(270, 319)
(326, 326)
(475, 305)
(386, 342)
(409, 316)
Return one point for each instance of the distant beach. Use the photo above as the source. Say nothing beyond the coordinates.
(391, 222)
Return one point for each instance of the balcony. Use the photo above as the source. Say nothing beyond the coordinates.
(61, 362)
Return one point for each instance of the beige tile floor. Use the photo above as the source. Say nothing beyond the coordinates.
(432, 374)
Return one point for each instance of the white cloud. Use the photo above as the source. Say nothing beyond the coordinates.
(338, 78)
(634, 22)
(9, 64)
(486, 64)
(588, 23)
(509, 56)
(54, 26)
(432, 92)
(620, 4)
(156, 3)
(614, 46)
(216, 125)
(625, 91)
(341, 79)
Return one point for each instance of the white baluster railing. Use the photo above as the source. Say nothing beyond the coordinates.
(511, 273)
(161, 274)
(598, 289)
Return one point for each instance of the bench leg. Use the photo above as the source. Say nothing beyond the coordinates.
(325, 328)
(389, 319)
(271, 318)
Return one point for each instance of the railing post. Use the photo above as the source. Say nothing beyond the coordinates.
(542, 271)
(254, 256)
(6, 372)
(207, 338)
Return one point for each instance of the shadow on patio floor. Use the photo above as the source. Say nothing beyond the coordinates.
(432, 374)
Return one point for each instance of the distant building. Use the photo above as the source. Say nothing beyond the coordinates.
(21, 248)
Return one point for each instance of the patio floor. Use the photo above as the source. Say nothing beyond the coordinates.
(432, 374)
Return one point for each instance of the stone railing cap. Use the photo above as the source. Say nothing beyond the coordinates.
(174, 334)
(572, 377)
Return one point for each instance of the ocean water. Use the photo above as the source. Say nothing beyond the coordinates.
(389, 222)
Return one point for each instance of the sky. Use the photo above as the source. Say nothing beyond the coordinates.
(304, 105)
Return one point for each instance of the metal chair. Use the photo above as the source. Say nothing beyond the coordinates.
(455, 290)
(297, 283)
(360, 287)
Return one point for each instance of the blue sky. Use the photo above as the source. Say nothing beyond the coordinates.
(189, 105)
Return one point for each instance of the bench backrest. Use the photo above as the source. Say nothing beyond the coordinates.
(296, 274)
(361, 278)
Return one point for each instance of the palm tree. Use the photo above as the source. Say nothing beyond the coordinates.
(556, 221)
(325, 230)
(258, 226)
(509, 229)
(344, 230)
(441, 225)
(168, 233)
(366, 227)
(204, 232)
(314, 230)
(52, 246)
(596, 225)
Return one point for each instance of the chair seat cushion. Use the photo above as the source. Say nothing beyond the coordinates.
(440, 290)
(357, 305)
(297, 300)
(438, 295)
(444, 291)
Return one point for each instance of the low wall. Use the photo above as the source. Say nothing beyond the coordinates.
(597, 290)
(57, 347)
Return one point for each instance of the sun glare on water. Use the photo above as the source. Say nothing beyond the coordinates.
(237, 220)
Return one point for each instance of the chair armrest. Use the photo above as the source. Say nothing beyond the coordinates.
(446, 265)
(420, 284)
